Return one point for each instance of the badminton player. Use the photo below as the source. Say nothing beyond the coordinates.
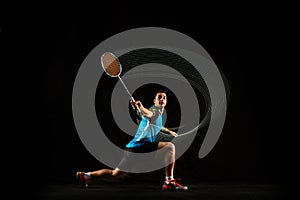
(144, 141)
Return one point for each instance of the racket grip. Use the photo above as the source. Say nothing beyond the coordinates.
(132, 99)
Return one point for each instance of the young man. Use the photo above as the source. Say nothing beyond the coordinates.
(144, 141)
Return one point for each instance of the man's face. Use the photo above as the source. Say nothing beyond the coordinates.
(160, 100)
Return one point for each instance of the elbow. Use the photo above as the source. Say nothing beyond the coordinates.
(149, 114)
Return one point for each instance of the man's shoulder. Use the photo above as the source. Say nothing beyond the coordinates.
(154, 110)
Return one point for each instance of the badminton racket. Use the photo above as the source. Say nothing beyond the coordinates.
(112, 66)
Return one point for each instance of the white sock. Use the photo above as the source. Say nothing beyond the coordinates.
(87, 175)
(169, 178)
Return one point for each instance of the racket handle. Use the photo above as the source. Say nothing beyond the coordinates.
(132, 99)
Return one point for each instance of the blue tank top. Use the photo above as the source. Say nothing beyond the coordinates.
(148, 129)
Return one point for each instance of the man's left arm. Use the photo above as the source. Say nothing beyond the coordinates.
(164, 129)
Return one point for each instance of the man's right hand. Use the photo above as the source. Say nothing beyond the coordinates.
(136, 104)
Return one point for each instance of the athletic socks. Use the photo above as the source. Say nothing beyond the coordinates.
(168, 179)
(87, 175)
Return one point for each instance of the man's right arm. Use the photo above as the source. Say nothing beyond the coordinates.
(144, 111)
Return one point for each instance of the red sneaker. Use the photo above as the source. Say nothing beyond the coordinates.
(173, 185)
(84, 182)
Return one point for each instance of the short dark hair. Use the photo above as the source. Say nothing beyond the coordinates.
(161, 91)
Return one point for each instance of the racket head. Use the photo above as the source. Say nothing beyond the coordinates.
(111, 64)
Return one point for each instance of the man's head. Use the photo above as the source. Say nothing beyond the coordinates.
(160, 99)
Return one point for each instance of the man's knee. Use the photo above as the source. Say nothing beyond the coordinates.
(115, 172)
(170, 147)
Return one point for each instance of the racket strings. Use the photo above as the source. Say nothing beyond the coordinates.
(111, 64)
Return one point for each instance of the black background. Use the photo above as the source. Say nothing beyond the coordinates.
(48, 42)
